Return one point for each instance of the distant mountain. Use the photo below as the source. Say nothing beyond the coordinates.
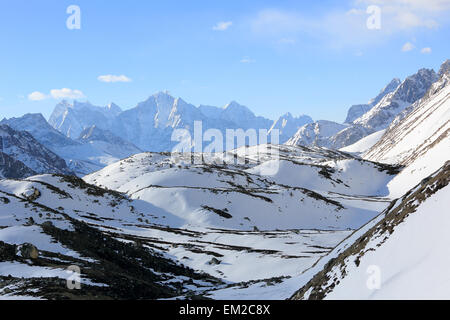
(289, 125)
(318, 134)
(412, 89)
(108, 143)
(151, 123)
(359, 110)
(72, 119)
(378, 114)
(91, 151)
(13, 169)
(420, 138)
(22, 146)
(39, 128)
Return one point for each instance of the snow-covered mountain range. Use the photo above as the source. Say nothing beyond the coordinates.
(364, 120)
(151, 123)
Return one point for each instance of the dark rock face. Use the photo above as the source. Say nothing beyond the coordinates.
(13, 169)
(22, 146)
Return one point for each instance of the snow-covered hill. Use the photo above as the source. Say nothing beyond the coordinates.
(329, 187)
(402, 254)
(364, 145)
(50, 223)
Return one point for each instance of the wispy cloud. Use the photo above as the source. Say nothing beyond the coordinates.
(247, 60)
(37, 96)
(408, 14)
(408, 47)
(110, 78)
(223, 25)
(349, 27)
(426, 50)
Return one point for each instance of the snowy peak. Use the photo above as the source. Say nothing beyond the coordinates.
(391, 87)
(236, 112)
(288, 125)
(316, 134)
(357, 111)
(72, 119)
(445, 68)
(411, 90)
(114, 108)
(414, 87)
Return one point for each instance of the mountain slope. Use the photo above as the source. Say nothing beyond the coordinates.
(420, 141)
(242, 197)
(419, 221)
(50, 222)
(12, 168)
(92, 151)
(395, 100)
(359, 110)
(21, 146)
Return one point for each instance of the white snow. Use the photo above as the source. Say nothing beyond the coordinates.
(413, 261)
(365, 143)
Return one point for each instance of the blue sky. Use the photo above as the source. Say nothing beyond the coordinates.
(303, 57)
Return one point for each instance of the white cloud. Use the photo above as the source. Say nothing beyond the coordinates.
(66, 93)
(407, 47)
(247, 60)
(37, 96)
(423, 5)
(110, 78)
(223, 25)
(426, 50)
(349, 27)
(408, 14)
